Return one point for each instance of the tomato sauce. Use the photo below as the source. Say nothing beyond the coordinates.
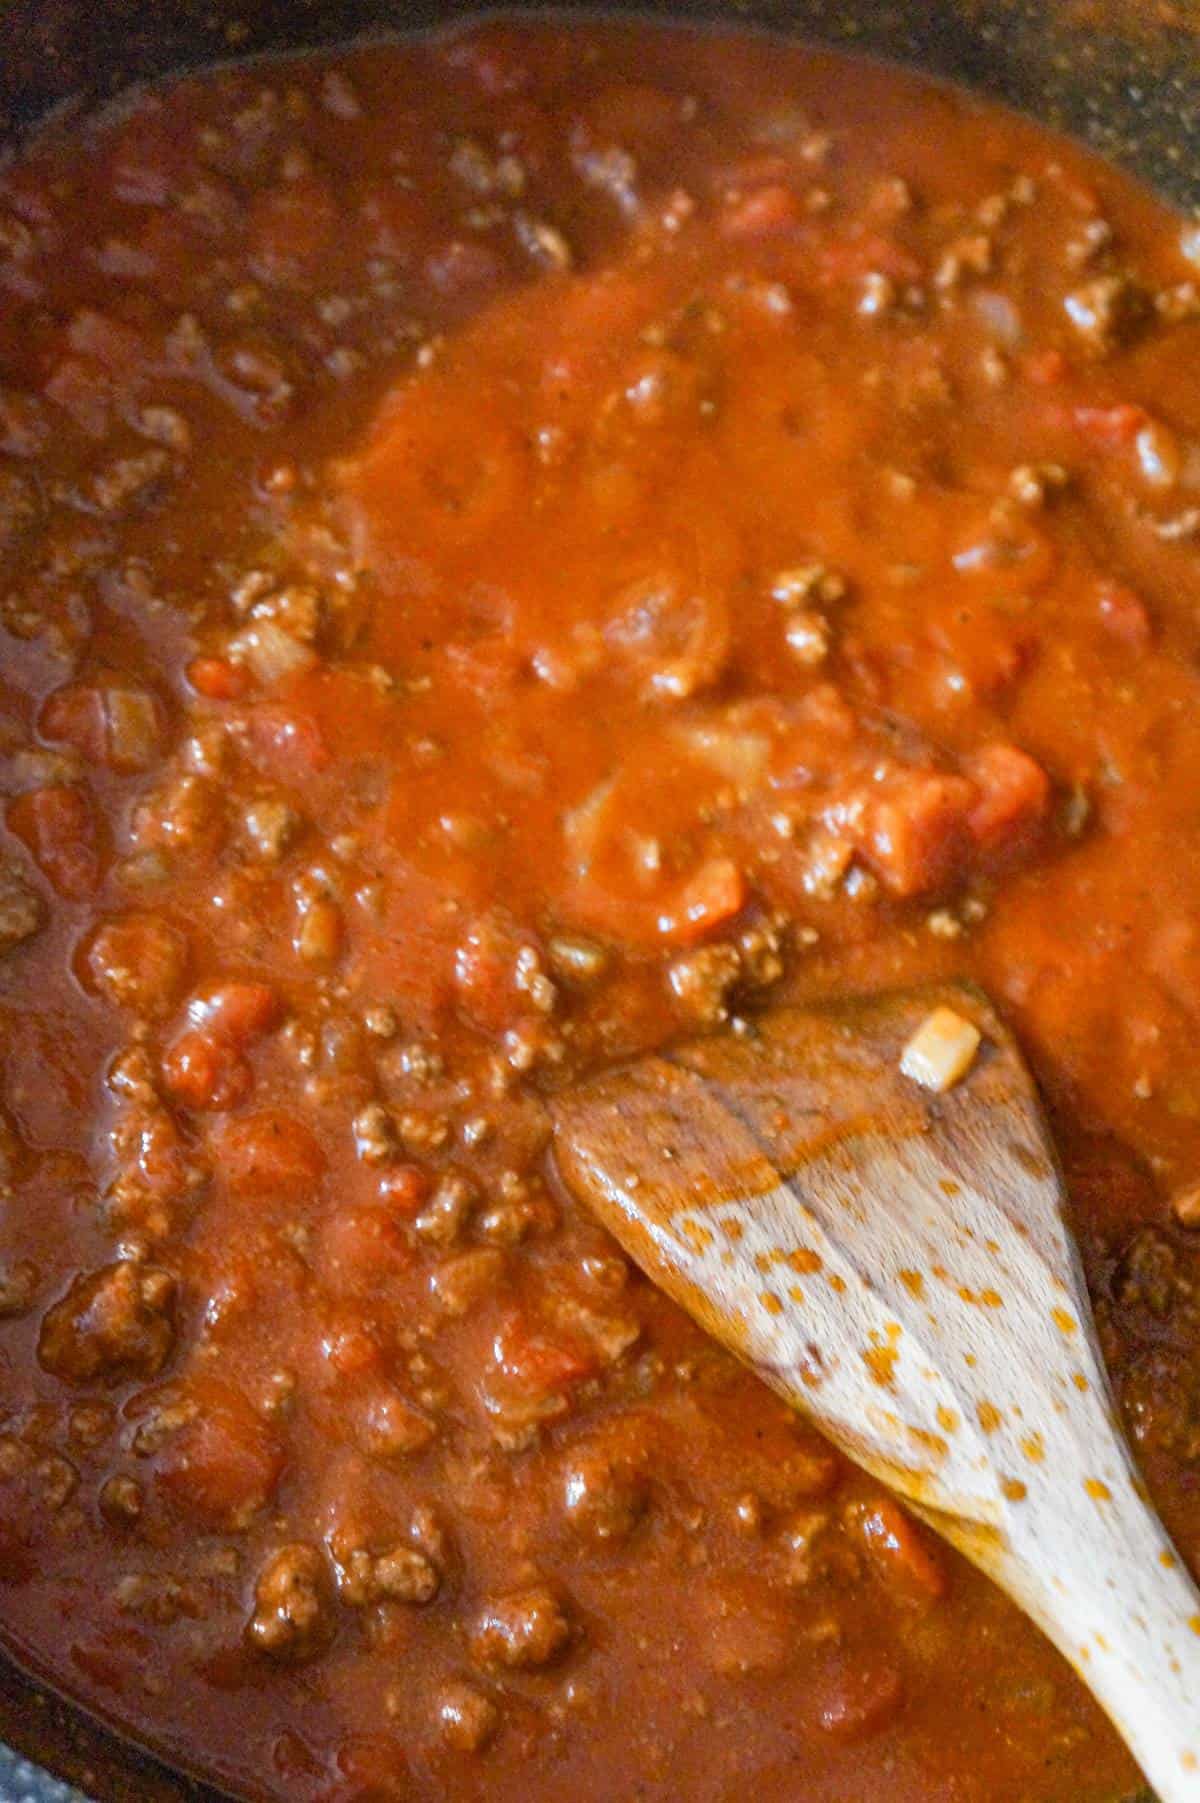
(518, 545)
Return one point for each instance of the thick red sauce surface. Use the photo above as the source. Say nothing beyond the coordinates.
(516, 547)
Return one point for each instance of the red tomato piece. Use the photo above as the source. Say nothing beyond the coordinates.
(902, 1556)
(1111, 427)
(285, 742)
(138, 963)
(362, 1249)
(712, 896)
(485, 971)
(349, 1349)
(237, 1012)
(762, 213)
(58, 824)
(223, 1466)
(916, 831)
(404, 1190)
(270, 1155)
(1046, 368)
(489, 666)
(1013, 800)
(1124, 615)
(75, 716)
(857, 1697)
(217, 679)
(850, 259)
(203, 1070)
(535, 1363)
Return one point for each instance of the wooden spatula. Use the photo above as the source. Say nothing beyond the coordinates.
(895, 1262)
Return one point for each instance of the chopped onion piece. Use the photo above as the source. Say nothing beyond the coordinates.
(941, 1051)
(997, 314)
(134, 729)
(270, 652)
(741, 757)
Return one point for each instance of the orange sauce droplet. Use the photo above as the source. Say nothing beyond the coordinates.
(913, 1282)
(1013, 1489)
(1097, 1490)
(989, 1416)
(881, 1363)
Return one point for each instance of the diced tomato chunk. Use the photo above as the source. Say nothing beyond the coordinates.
(868, 253)
(1013, 798)
(223, 1466)
(712, 896)
(237, 1012)
(361, 1249)
(857, 1698)
(488, 666)
(349, 1350)
(270, 1155)
(1046, 368)
(138, 963)
(75, 716)
(203, 1070)
(761, 213)
(58, 824)
(486, 970)
(285, 742)
(116, 724)
(1111, 427)
(536, 1363)
(1124, 615)
(403, 1190)
(217, 679)
(916, 831)
(900, 1552)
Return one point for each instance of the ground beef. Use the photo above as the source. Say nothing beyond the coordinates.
(115, 1323)
(21, 911)
(466, 1718)
(522, 1631)
(293, 1605)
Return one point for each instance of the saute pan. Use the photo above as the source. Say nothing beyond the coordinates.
(1122, 74)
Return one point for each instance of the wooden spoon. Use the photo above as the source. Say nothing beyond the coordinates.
(895, 1262)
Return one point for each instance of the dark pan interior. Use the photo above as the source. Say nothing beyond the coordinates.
(1122, 74)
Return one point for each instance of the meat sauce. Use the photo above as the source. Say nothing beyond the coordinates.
(516, 546)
